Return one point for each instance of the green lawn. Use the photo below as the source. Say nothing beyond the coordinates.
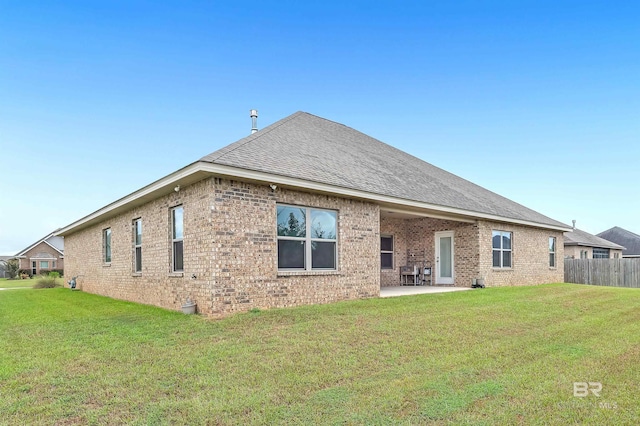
(492, 356)
(7, 283)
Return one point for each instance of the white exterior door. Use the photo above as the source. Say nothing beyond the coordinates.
(444, 258)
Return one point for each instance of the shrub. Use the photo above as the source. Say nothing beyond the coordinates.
(24, 273)
(46, 281)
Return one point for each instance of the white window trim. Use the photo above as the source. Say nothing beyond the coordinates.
(555, 257)
(137, 246)
(104, 246)
(174, 240)
(502, 250)
(308, 240)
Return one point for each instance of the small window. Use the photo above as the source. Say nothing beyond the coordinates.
(177, 254)
(501, 242)
(53, 264)
(44, 264)
(307, 238)
(600, 253)
(137, 245)
(583, 254)
(386, 251)
(552, 252)
(616, 255)
(106, 245)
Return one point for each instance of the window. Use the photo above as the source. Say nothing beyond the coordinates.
(176, 239)
(106, 245)
(44, 264)
(616, 255)
(501, 241)
(386, 251)
(53, 264)
(137, 245)
(583, 254)
(552, 252)
(306, 244)
(600, 253)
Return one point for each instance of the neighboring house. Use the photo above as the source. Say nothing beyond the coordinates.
(46, 254)
(3, 260)
(583, 245)
(627, 239)
(305, 211)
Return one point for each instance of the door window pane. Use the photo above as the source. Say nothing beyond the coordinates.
(445, 258)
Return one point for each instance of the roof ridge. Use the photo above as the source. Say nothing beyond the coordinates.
(240, 143)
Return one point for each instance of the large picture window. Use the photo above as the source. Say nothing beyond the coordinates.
(137, 245)
(501, 241)
(106, 245)
(552, 252)
(386, 251)
(177, 252)
(307, 238)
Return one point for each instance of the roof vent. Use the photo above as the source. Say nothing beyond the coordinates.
(574, 224)
(254, 121)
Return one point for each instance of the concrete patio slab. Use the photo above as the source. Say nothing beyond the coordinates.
(411, 290)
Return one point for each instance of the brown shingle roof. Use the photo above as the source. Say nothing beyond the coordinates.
(312, 148)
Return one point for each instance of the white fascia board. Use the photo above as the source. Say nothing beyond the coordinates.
(229, 171)
(199, 170)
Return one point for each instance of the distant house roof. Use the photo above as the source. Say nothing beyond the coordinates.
(628, 239)
(307, 152)
(54, 241)
(578, 237)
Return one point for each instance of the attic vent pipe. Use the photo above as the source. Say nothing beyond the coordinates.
(574, 224)
(254, 121)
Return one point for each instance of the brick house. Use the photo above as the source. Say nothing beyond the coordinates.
(44, 255)
(305, 211)
(579, 244)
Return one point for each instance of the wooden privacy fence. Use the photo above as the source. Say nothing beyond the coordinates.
(609, 272)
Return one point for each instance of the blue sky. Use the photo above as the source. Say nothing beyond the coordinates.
(537, 101)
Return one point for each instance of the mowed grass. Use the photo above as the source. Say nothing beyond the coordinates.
(491, 356)
(7, 283)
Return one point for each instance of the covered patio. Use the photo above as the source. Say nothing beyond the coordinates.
(430, 254)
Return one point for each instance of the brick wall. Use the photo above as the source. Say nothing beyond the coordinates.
(247, 274)
(156, 284)
(230, 251)
(530, 252)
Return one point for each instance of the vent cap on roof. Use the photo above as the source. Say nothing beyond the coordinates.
(254, 120)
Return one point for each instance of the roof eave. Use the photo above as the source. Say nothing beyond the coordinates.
(200, 170)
